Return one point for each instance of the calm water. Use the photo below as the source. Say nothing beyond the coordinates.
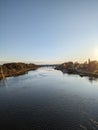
(47, 99)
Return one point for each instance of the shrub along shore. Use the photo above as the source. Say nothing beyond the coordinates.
(15, 69)
(88, 68)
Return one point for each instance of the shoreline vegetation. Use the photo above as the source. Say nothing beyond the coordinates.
(15, 69)
(88, 68)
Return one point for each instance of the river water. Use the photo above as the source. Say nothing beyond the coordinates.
(47, 99)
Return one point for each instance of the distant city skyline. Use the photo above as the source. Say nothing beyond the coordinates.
(48, 31)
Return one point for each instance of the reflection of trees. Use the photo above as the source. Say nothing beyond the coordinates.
(91, 79)
(3, 83)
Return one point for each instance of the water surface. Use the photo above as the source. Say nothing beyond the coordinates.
(47, 99)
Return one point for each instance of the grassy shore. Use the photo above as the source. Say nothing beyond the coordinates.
(15, 69)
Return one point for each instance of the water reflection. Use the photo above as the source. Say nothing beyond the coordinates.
(46, 99)
(92, 79)
(3, 83)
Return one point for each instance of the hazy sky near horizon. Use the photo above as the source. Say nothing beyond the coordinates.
(48, 30)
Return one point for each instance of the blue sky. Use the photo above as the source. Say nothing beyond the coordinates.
(48, 30)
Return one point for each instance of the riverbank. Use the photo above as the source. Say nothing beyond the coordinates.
(15, 69)
(89, 69)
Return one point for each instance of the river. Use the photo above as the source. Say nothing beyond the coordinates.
(47, 99)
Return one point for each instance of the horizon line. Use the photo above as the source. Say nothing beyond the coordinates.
(43, 62)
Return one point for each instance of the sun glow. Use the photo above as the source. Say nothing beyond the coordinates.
(96, 53)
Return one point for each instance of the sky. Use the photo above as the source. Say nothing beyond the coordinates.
(48, 31)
